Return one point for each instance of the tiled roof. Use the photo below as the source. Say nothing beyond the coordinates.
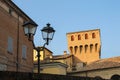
(104, 63)
(61, 56)
(101, 64)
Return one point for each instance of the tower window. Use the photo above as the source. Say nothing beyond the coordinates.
(79, 37)
(81, 47)
(93, 35)
(72, 38)
(91, 47)
(71, 50)
(96, 47)
(86, 36)
(76, 48)
(86, 48)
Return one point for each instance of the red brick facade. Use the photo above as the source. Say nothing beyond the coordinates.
(11, 21)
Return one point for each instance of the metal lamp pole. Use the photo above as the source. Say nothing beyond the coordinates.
(47, 34)
(38, 55)
(38, 49)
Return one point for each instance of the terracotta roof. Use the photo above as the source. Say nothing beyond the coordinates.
(105, 63)
(61, 56)
(101, 64)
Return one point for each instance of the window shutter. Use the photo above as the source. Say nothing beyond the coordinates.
(24, 51)
(10, 45)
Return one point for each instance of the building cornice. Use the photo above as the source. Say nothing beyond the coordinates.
(83, 31)
(12, 5)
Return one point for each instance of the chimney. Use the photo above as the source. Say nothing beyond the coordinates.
(65, 52)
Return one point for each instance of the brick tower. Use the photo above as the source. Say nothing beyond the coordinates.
(84, 45)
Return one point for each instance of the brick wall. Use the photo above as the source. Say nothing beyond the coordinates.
(84, 39)
(10, 26)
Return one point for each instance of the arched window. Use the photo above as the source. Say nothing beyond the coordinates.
(71, 50)
(79, 37)
(98, 78)
(115, 77)
(76, 49)
(96, 47)
(86, 36)
(91, 47)
(81, 48)
(72, 38)
(86, 48)
(93, 35)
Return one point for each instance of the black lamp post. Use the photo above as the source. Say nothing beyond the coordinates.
(47, 34)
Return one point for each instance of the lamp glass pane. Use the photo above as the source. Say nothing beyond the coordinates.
(44, 35)
(26, 30)
(32, 29)
(50, 35)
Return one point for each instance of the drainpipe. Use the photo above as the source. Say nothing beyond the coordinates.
(17, 60)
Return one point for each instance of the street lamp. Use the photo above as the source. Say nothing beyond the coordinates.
(47, 34)
(29, 29)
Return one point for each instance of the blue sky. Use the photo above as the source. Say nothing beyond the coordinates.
(76, 15)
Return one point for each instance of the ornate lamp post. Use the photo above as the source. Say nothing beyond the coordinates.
(47, 34)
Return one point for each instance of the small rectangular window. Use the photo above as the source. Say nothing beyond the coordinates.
(24, 51)
(10, 11)
(10, 45)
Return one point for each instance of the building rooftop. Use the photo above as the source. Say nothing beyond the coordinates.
(46, 64)
(56, 57)
(105, 63)
(83, 31)
(101, 64)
